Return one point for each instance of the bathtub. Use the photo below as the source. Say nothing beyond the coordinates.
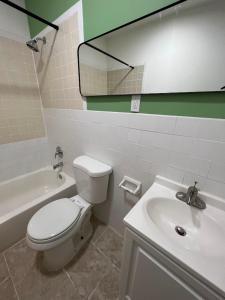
(22, 196)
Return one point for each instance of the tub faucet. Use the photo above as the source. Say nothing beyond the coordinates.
(191, 197)
(58, 152)
(59, 165)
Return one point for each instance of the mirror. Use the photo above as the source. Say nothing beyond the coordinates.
(178, 49)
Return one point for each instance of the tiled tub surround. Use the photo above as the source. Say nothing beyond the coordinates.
(22, 157)
(141, 146)
(92, 275)
(20, 103)
(56, 66)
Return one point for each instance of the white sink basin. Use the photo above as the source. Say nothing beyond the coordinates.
(203, 232)
(202, 250)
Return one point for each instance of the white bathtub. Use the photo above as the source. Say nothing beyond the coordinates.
(22, 196)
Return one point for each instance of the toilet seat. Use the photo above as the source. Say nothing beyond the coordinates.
(53, 221)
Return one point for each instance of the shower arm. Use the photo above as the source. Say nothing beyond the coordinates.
(29, 13)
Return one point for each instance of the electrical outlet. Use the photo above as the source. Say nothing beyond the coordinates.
(135, 103)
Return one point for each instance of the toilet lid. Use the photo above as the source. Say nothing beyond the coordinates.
(53, 219)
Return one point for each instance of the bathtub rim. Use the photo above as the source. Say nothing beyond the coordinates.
(69, 182)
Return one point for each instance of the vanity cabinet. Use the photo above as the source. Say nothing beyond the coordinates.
(148, 274)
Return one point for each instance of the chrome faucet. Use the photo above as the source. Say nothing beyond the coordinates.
(59, 157)
(59, 165)
(58, 152)
(191, 197)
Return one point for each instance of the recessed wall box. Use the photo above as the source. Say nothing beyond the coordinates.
(130, 185)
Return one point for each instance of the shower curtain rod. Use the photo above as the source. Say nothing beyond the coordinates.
(113, 57)
(27, 12)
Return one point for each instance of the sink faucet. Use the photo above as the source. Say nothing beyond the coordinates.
(59, 157)
(191, 197)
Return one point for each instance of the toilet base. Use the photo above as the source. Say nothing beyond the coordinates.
(56, 258)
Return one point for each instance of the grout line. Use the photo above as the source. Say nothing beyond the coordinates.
(115, 231)
(16, 243)
(110, 269)
(4, 280)
(100, 235)
(108, 258)
(97, 285)
(10, 276)
(68, 276)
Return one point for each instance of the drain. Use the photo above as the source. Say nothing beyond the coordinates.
(180, 230)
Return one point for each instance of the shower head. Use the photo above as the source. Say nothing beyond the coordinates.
(33, 44)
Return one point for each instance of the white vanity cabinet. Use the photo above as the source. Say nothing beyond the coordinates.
(148, 274)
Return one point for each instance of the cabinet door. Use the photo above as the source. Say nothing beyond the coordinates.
(152, 281)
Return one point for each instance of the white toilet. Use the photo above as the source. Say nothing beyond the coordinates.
(60, 228)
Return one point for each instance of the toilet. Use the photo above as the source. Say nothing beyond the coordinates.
(60, 228)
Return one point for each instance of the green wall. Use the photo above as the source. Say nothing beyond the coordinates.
(47, 9)
(103, 15)
(209, 105)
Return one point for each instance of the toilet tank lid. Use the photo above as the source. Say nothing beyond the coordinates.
(92, 167)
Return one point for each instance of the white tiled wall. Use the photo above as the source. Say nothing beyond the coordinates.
(141, 146)
(22, 157)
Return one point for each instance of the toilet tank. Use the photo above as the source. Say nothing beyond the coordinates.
(92, 178)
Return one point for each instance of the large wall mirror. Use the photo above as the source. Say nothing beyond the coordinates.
(178, 49)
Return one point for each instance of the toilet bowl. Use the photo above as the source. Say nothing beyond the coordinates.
(60, 228)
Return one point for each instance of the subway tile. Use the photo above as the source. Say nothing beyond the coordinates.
(149, 139)
(210, 150)
(179, 160)
(136, 152)
(203, 128)
(211, 129)
(154, 154)
(161, 124)
(199, 166)
(173, 174)
(187, 162)
(182, 144)
(22, 157)
(217, 172)
(215, 188)
(134, 136)
(190, 178)
(186, 126)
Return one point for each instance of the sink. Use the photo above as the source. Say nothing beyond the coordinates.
(202, 232)
(200, 245)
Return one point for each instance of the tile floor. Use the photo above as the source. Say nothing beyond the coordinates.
(92, 275)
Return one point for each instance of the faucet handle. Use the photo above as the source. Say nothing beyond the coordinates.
(194, 189)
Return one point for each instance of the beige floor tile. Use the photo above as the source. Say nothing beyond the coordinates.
(7, 291)
(108, 289)
(89, 274)
(3, 269)
(87, 269)
(98, 228)
(31, 282)
(110, 243)
(21, 260)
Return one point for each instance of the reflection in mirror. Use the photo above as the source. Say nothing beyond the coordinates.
(104, 75)
(180, 49)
